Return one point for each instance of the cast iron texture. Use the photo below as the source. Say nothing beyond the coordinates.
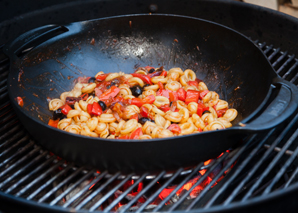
(244, 78)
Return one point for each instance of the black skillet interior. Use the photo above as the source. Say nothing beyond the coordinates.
(227, 62)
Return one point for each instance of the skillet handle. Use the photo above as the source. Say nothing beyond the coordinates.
(27, 41)
(281, 108)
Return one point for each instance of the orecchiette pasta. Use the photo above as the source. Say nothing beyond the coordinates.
(152, 103)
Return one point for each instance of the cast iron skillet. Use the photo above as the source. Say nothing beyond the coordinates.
(46, 60)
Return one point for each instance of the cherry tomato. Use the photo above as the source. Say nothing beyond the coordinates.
(181, 94)
(135, 116)
(192, 96)
(65, 109)
(164, 73)
(175, 128)
(144, 112)
(193, 83)
(136, 133)
(102, 77)
(203, 93)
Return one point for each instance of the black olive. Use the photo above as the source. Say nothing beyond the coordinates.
(72, 106)
(136, 90)
(109, 86)
(102, 105)
(92, 94)
(92, 80)
(171, 103)
(144, 120)
(115, 81)
(146, 85)
(206, 111)
(57, 114)
(113, 84)
(151, 70)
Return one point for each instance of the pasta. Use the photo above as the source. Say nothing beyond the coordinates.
(149, 103)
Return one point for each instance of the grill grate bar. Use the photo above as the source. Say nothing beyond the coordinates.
(285, 166)
(42, 187)
(264, 173)
(127, 206)
(4, 96)
(239, 169)
(294, 79)
(20, 160)
(7, 118)
(3, 76)
(12, 135)
(290, 70)
(110, 193)
(85, 189)
(152, 197)
(281, 57)
(3, 89)
(4, 106)
(47, 195)
(258, 164)
(97, 191)
(291, 178)
(227, 166)
(6, 110)
(278, 149)
(274, 54)
(69, 189)
(214, 165)
(262, 45)
(39, 178)
(19, 152)
(187, 178)
(268, 49)
(119, 198)
(288, 61)
(23, 169)
(30, 174)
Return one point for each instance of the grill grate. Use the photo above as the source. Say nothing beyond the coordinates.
(266, 163)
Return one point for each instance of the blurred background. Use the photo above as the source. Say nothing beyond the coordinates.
(289, 7)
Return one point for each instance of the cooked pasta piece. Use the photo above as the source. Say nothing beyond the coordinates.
(55, 104)
(166, 104)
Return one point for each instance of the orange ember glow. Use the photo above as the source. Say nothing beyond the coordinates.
(167, 191)
(91, 186)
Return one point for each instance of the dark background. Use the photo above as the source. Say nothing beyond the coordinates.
(19, 16)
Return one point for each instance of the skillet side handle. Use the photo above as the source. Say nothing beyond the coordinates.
(281, 108)
(27, 41)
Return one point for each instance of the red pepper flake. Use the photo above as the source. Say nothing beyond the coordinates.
(176, 40)
(175, 128)
(130, 23)
(53, 123)
(21, 72)
(92, 41)
(135, 116)
(112, 92)
(20, 101)
(84, 96)
(65, 109)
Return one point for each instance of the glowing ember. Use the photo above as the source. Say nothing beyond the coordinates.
(167, 191)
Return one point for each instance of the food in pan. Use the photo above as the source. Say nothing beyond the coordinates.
(149, 103)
